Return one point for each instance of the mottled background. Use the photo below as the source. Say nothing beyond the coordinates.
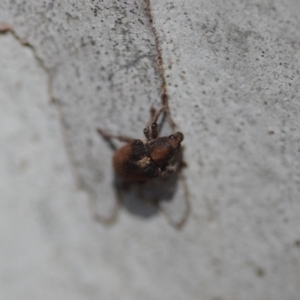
(231, 73)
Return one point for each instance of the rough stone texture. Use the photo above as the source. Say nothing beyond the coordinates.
(232, 75)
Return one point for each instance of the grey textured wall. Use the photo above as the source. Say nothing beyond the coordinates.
(230, 73)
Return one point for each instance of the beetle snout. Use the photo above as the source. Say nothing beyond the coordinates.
(179, 136)
(175, 139)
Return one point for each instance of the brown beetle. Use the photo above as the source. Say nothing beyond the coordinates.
(141, 160)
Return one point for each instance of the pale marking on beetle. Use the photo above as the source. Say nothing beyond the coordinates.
(145, 161)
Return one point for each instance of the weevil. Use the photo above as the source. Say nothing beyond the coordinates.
(139, 161)
(142, 160)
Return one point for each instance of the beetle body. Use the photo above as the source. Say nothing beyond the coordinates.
(139, 160)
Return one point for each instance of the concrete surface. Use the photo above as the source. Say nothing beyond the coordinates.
(231, 71)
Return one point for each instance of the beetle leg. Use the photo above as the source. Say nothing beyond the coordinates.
(147, 133)
(151, 129)
(154, 131)
(154, 126)
(152, 113)
(168, 170)
(107, 135)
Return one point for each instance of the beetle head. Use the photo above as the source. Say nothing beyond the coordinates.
(175, 140)
(162, 149)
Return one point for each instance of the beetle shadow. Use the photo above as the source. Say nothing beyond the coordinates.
(142, 199)
(129, 197)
